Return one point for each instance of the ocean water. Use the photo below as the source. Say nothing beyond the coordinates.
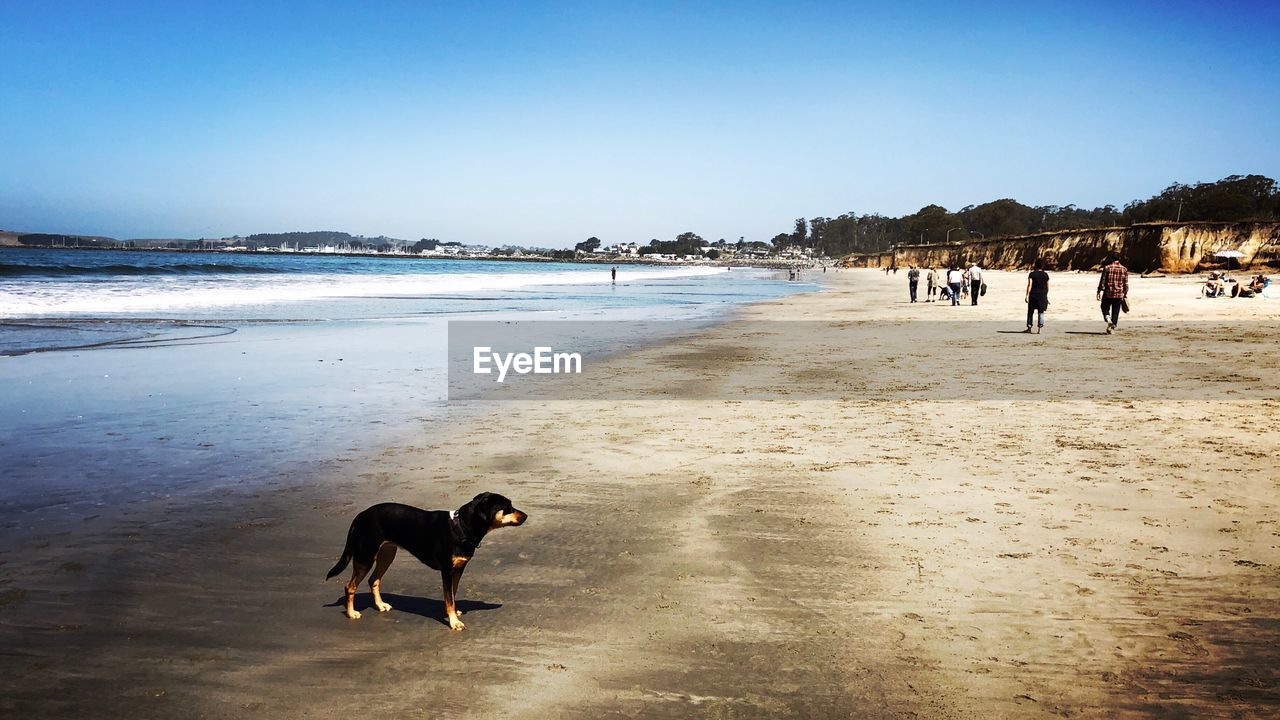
(71, 284)
(130, 374)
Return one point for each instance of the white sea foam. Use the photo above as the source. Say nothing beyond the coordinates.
(168, 294)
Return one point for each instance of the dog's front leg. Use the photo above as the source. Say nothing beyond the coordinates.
(457, 577)
(450, 610)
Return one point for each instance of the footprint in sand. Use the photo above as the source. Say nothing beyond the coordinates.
(1188, 644)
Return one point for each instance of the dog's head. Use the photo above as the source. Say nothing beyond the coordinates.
(495, 510)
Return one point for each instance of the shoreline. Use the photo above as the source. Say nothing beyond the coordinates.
(833, 552)
(239, 404)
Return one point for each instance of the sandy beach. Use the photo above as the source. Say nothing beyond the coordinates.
(897, 510)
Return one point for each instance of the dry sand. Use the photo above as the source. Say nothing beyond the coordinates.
(948, 523)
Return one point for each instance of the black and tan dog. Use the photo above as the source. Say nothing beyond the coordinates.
(444, 540)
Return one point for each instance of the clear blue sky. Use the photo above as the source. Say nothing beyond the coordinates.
(545, 123)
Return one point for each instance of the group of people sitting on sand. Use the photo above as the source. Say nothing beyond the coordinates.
(1220, 285)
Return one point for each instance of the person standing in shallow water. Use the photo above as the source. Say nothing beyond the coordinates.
(613, 274)
(1113, 289)
(913, 281)
(1037, 298)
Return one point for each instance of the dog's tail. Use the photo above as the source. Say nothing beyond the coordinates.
(346, 554)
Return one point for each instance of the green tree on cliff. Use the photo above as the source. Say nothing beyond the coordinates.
(930, 224)
(1234, 198)
(1000, 217)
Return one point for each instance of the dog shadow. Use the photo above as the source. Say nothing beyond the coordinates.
(429, 608)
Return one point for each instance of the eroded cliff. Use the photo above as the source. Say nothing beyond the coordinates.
(1170, 247)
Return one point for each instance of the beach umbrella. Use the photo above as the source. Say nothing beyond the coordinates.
(1229, 255)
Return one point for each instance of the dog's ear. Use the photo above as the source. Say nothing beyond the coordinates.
(479, 506)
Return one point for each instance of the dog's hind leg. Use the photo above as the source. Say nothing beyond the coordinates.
(359, 568)
(386, 554)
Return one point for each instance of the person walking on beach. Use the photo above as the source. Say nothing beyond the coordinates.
(1113, 290)
(913, 281)
(932, 280)
(975, 283)
(613, 274)
(955, 279)
(1037, 297)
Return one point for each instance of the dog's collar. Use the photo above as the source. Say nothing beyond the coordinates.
(461, 532)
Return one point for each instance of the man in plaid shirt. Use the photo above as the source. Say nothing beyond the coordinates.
(1113, 288)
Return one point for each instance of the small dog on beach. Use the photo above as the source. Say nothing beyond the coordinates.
(444, 540)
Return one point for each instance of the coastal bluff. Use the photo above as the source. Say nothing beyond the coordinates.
(1148, 247)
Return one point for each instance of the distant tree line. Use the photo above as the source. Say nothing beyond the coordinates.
(319, 238)
(1234, 198)
(686, 243)
(432, 244)
(56, 240)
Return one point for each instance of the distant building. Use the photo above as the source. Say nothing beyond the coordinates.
(627, 249)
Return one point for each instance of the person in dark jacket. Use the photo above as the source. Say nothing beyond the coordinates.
(1037, 297)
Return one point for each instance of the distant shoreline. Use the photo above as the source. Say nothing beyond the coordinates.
(767, 263)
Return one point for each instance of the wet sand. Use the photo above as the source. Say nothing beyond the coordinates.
(897, 534)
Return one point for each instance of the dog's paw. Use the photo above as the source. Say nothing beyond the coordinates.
(383, 607)
(353, 614)
(456, 624)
